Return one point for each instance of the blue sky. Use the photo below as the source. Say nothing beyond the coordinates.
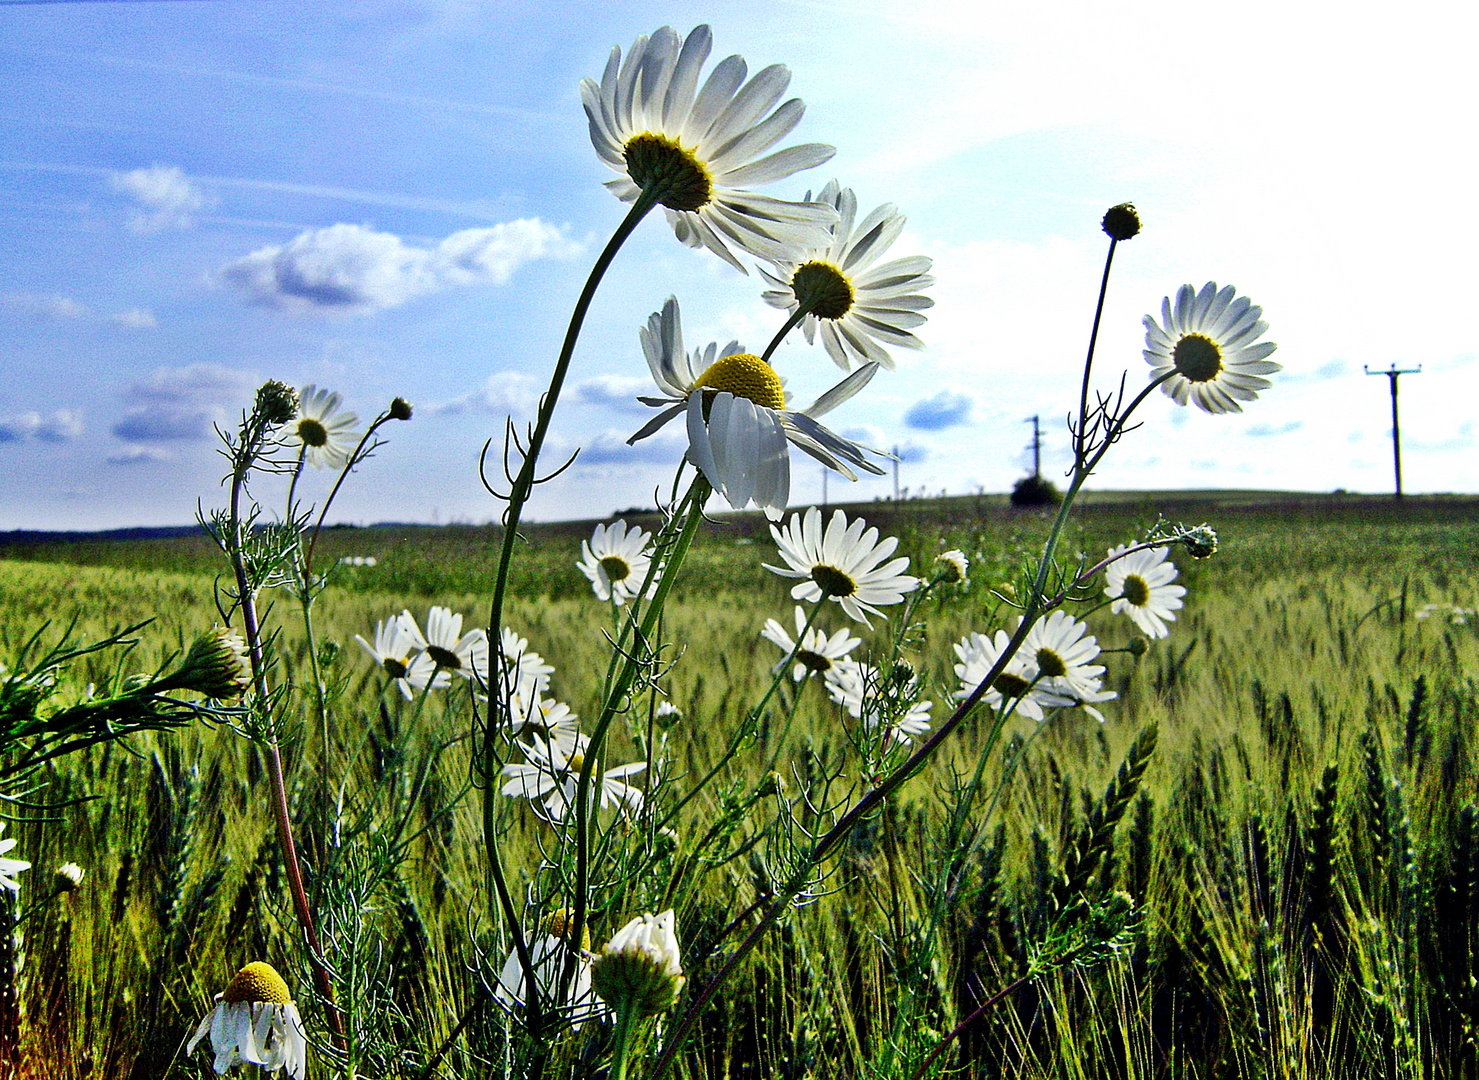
(154, 155)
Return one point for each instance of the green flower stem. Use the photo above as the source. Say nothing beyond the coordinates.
(500, 902)
(698, 495)
(626, 1028)
(1080, 439)
(253, 633)
(990, 1003)
(801, 312)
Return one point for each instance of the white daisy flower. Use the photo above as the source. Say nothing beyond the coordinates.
(818, 653)
(952, 566)
(466, 655)
(844, 563)
(699, 150)
(551, 722)
(739, 425)
(325, 435)
(1060, 651)
(640, 969)
(616, 559)
(1140, 585)
(255, 1023)
(857, 305)
(10, 867)
(548, 954)
(398, 649)
(1017, 682)
(523, 673)
(1210, 342)
(879, 703)
(551, 777)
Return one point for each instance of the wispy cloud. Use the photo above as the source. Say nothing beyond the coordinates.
(615, 392)
(945, 410)
(138, 455)
(1265, 431)
(351, 268)
(167, 198)
(502, 393)
(43, 307)
(136, 319)
(61, 426)
(183, 404)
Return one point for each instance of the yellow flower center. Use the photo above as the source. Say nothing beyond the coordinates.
(576, 762)
(1050, 664)
(1136, 591)
(312, 432)
(616, 568)
(822, 289)
(558, 924)
(1197, 357)
(444, 658)
(745, 375)
(257, 982)
(833, 582)
(661, 164)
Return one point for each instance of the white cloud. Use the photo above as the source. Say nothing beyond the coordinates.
(61, 426)
(136, 319)
(183, 404)
(138, 455)
(615, 392)
(944, 410)
(503, 392)
(353, 268)
(166, 196)
(43, 307)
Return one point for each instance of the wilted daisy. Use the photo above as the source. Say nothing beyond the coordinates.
(10, 867)
(616, 559)
(818, 653)
(255, 1023)
(858, 306)
(325, 435)
(549, 777)
(1017, 683)
(843, 563)
(893, 707)
(699, 150)
(398, 649)
(1209, 345)
(738, 426)
(548, 955)
(463, 655)
(1060, 647)
(1140, 585)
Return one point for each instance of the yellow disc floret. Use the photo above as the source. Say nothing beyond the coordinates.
(257, 982)
(745, 375)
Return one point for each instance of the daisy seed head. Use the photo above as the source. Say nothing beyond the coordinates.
(400, 409)
(1201, 542)
(822, 289)
(257, 982)
(1050, 664)
(832, 581)
(1121, 222)
(745, 375)
(617, 568)
(661, 164)
(277, 403)
(1197, 357)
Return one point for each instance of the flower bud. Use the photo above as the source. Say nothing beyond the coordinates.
(277, 403)
(902, 673)
(667, 714)
(400, 409)
(68, 877)
(1121, 222)
(951, 566)
(772, 783)
(1201, 542)
(638, 968)
(1138, 646)
(216, 666)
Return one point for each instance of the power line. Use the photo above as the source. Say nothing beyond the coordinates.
(1392, 374)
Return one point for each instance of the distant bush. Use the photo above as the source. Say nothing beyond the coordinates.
(1035, 491)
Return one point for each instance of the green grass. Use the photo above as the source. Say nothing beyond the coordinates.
(1278, 938)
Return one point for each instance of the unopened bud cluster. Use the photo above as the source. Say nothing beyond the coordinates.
(216, 666)
(277, 403)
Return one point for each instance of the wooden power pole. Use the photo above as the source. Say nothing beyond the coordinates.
(1036, 446)
(1392, 375)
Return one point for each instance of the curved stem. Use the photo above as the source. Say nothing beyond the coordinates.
(802, 310)
(986, 1007)
(1083, 398)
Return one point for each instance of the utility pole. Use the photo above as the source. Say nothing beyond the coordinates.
(1036, 447)
(896, 474)
(1392, 375)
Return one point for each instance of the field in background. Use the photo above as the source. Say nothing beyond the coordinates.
(1281, 898)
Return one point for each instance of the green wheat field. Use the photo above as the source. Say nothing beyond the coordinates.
(1303, 844)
